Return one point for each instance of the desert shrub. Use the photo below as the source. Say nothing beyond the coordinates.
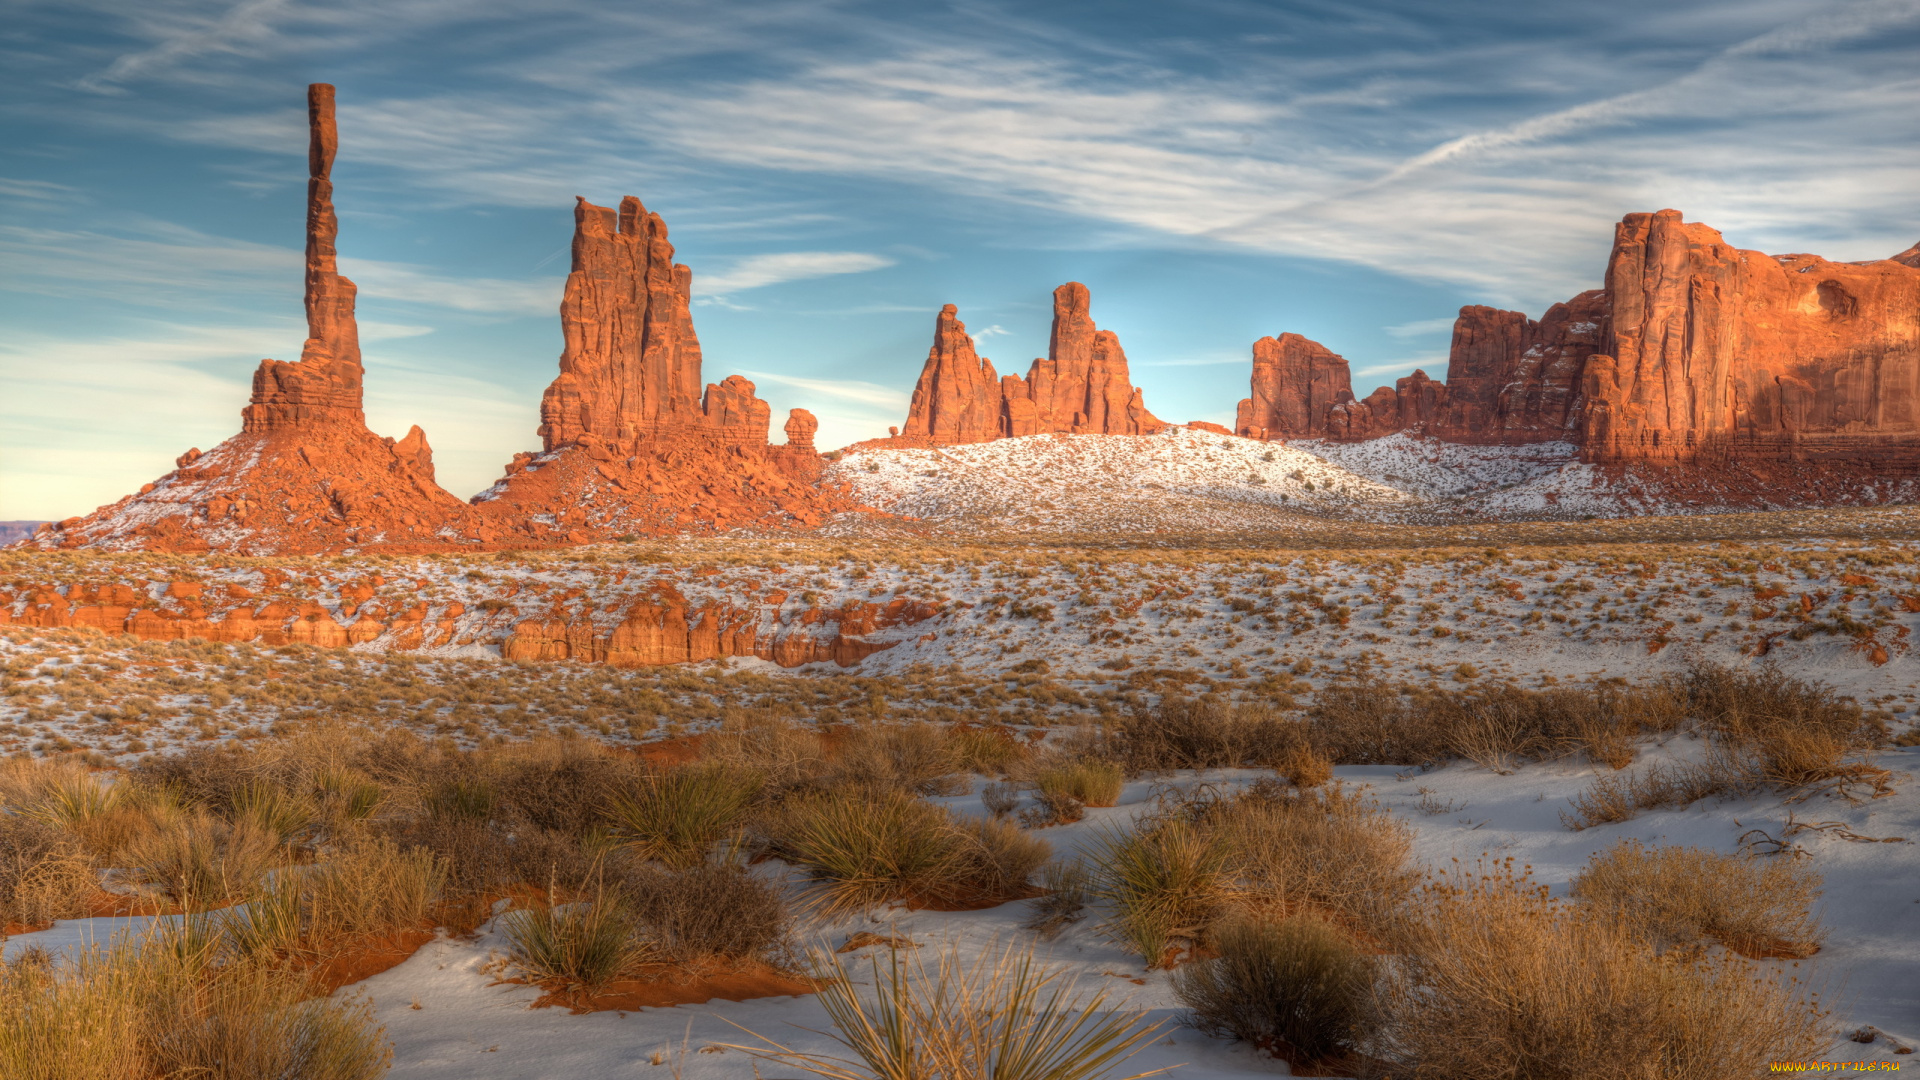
(867, 849)
(75, 1021)
(1498, 980)
(201, 859)
(1063, 898)
(371, 886)
(1089, 783)
(1330, 850)
(207, 776)
(1297, 987)
(462, 799)
(908, 757)
(999, 1015)
(269, 925)
(1204, 733)
(1304, 767)
(1367, 722)
(248, 1022)
(60, 793)
(345, 795)
(677, 816)
(150, 1009)
(1164, 881)
(588, 942)
(1621, 796)
(43, 873)
(1000, 799)
(986, 751)
(1686, 896)
(1799, 732)
(783, 754)
(995, 857)
(558, 784)
(707, 910)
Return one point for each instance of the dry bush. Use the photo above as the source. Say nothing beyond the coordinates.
(1799, 732)
(784, 754)
(914, 758)
(200, 859)
(1622, 796)
(677, 816)
(986, 751)
(44, 875)
(557, 784)
(1331, 850)
(1203, 733)
(711, 910)
(158, 1008)
(1063, 898)
(1000, 799)
(205, 776)
(1368, 722)
(1499, 981)
(996, 857)
(369, 887)
(1298, 987)
(1685, 896)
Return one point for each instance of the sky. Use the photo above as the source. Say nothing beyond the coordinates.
(834, 172)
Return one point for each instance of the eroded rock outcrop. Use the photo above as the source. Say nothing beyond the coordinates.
(1081, 387)
(304, 474)
(1713, 353)
(630, 444)
(1694, 353)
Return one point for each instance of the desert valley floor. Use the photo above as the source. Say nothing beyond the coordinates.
(1045, 588)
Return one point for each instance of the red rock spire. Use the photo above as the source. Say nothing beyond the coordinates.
(325, 386)
(957, 399)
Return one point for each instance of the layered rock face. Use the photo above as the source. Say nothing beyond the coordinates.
(1716, 353)
(1082, 387)
(304, 475)
(630, 445)
(1295, 381)
(1694, 352)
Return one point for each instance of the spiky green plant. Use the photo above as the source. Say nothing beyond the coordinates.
(1163, 882)
(679, 815)
(590, 942)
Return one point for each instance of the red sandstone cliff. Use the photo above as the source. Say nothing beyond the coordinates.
(304, 474)
(1695, 351)
(1081, 387)
(630, 445)
(1713, 352)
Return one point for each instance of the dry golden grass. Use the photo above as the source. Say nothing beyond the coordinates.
(1686, 896)
(1501, 981)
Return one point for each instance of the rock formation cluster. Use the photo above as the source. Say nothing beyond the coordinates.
(1694, 353)
(630, 442)
(1082, 387)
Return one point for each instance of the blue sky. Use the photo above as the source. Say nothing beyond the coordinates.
(834, 172)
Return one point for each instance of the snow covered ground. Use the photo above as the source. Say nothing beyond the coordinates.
(449, 1015)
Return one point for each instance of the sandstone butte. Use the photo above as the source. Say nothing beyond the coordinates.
(1695, 354)
(646, 621)
(304, 474)
(1081, 387)
(630, 444)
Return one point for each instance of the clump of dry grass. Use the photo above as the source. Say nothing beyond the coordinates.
(371, 886)
(1797, 731)
(1499, 980)
(201, 859)
(44, 872)
(1164, 882)
(715, 910)
(1204, 733)
(590, 941)
(867, 849)
(679, 815)
(1686, 896)
(1089, 783)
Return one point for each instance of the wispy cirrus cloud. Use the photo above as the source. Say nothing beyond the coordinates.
(758, 271)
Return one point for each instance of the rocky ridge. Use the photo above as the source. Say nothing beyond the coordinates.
(1694, 354)
(1081, 387)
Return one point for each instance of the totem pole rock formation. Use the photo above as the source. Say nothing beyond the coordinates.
(304, 474)
(629, 443)
(1082, 387)
(1694, 352)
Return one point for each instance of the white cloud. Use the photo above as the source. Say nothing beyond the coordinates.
(1422, 328)
(1434, 364)
(854, 390)
(757, 271)
(418, 285)
(996, 330)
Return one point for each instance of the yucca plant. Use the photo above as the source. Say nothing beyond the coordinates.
(679, 815)
(590, 942)
(866, 851)
(273, 809)
(268, 925)
(1001, 1015)
(1163, 882)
